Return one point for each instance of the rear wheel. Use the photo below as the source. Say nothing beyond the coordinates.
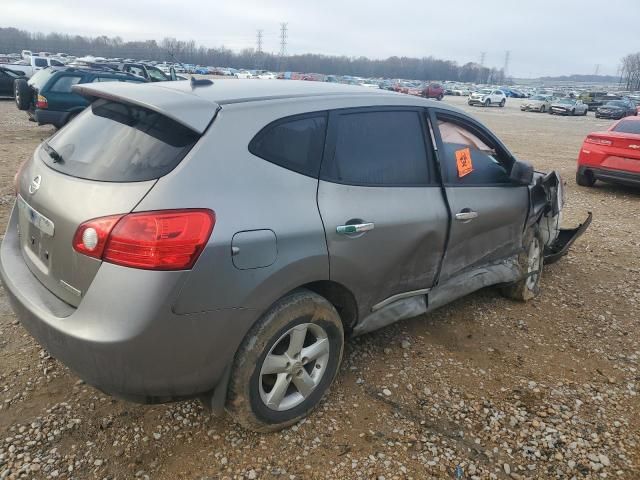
(585, 112)
(440, 97)
(22, 93)
(502, 102)
(585, 178)
(286, 363)
(531, 260)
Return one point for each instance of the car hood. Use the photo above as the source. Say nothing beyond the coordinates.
(610, 107)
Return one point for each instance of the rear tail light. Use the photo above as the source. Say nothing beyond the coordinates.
(599, 141)
(42, 102)
(162, 240)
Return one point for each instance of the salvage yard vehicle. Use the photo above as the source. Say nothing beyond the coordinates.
(487, 97)
(433, 90)
(7, 78)
(34, 64)
(617, 109)
(223, 238)
(568, 106)
(537, 103)
(612, 155)
(48, 98)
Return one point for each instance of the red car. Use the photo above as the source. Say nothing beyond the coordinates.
(612, 155)
(433, 90)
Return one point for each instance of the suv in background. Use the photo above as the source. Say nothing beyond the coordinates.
(433, 90)
(597, 99)
(487, 97)
(48, 99)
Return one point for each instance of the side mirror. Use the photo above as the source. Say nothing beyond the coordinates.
(172, 74)
(521, 173)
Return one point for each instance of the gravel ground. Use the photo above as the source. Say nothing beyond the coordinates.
(482, 388)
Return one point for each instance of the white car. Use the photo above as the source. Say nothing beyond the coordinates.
(267, 76)
(487, 97)
(243, 74)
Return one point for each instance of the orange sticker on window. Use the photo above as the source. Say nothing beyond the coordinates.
(463, 159)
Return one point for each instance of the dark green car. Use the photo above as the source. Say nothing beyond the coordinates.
(47, 96)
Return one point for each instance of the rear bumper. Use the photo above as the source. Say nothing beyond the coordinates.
(615, 176)
(124, 337)
(50, 117)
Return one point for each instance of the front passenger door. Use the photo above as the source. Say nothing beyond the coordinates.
(488, 210)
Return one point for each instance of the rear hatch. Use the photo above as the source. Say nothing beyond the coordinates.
(37, 83)
(103, 163)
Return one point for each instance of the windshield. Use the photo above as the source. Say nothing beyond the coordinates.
(566, 101)
(156, 74)
(118, 142)
(615, 104)
(485, 91)
(628, 126)
(11, 73)
(538, 97)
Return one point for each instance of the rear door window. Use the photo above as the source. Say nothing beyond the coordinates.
(63, 84)
(295, 143)
(377, 148)
(118, 142)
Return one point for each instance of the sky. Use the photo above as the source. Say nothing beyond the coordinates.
(544, 37)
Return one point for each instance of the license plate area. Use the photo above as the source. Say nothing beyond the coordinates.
(36, 232)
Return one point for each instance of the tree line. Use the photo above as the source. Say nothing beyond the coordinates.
(630, 70)
(169, 49)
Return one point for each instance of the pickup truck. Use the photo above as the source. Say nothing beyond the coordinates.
(31, 65)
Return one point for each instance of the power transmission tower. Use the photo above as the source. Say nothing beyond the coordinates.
(597, 69)
(259, 42)
(507, 58)
(283, 45)
(482, 57)
(258, 49)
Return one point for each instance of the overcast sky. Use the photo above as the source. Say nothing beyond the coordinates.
(545, 37)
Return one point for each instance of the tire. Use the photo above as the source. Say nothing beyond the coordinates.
(585, 178)
(502, 102)
(469, 103)
(440, 97)
(531, 261)
(573, 112)
(543, 109)
(251, 389)
(22, 94)
(487, 103)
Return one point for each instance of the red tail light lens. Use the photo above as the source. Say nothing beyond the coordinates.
(42, 102)
(599, 141)
(163, 240)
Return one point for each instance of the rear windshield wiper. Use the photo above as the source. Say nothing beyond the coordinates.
(55, 156)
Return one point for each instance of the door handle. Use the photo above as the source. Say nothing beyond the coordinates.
(466, 215)
(355, 228)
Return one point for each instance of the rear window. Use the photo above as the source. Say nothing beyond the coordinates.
(41, 77)
(117, 142)
(628, 126)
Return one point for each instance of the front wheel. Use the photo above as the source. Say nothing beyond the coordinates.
(286, 363)
(543, 109)
(530, 260)
(487, 103)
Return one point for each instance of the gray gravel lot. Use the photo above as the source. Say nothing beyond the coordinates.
(483, 388)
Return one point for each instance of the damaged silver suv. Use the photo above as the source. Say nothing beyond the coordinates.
(221, 240)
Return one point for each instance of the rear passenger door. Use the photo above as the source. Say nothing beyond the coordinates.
(488, 209)
(383, 212)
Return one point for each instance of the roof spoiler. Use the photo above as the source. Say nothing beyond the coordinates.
(189, 110)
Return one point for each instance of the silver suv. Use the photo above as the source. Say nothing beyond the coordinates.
(221, 239)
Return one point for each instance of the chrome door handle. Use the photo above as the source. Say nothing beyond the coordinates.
(355, 228)
(466, 215)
